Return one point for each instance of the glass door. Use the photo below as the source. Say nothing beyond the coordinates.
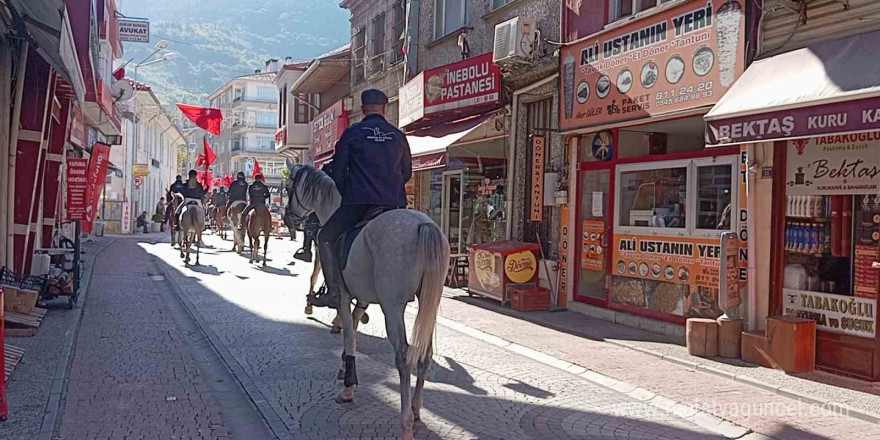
(593, 230)
(452, 204)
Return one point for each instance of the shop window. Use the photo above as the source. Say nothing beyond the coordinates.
(714, 190)
(625, 8)
(654, 198)
(358, 51)
(450, 16)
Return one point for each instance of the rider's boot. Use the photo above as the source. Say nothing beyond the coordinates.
(332, 277)
(305, 254)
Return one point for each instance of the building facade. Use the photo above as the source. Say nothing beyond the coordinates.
(295, 112)
(250, 111)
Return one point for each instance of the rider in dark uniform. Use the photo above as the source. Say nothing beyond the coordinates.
(238, 190)
(219, 197)
(258, 192)
(192, 191)
(169, 196)
(371, 166)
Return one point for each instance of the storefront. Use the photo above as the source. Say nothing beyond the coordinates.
(458, 141)
(821, 120)
(327, 128)
(651, 203)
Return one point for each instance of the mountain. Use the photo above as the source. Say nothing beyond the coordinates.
(219, 39)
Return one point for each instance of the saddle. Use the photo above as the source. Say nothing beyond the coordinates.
(237, 202)
(346, 240)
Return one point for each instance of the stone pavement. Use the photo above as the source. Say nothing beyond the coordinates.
(474, 390)
(134, 374)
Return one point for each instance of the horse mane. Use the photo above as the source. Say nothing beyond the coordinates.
(317, 187)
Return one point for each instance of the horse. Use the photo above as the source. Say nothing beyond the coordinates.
(234, 216)
(192, 223)
(395, 239)
(258, 221)
(174, 222)
(220, 221)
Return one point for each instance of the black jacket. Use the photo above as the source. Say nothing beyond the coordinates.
(259, 193)
(372, 164)
(238, 190)
(219, 198)
(195, 191)
(175, 189)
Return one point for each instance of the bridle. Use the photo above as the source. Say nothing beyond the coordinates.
(294, 183)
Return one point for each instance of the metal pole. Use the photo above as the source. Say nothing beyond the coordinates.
(5, 106)
(13, 147)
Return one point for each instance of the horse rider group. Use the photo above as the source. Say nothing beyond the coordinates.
(192, 191)
(370, 168)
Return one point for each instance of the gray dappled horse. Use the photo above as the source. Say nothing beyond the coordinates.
(192, 223)
(394, 240)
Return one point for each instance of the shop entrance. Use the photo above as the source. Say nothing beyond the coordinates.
(452, 202)
(594, 233)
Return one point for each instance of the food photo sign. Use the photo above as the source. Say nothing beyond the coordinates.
(682, 57)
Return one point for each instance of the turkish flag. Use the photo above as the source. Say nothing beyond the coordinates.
(257, 169)
(209, 153)
(204, 117)
(227, 180)
(200, 159)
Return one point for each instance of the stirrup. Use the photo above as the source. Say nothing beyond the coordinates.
(323, 298)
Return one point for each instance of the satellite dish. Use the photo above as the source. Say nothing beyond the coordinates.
(122, 90)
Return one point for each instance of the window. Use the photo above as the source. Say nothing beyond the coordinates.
(265, 143)
(282, 107)
(358, 45)
(625, 8)
(499, 3)
(265, 119)
(237, 94)
(713, 197)
(398, 32)
(238, 144)
(269, 94)
(306, 108)
(653, 198)
(377, 43)
(450, 16)
(272, 168)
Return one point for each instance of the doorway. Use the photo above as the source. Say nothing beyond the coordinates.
(593, 231)
(452, 204)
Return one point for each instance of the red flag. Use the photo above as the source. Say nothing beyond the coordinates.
(257, 169)
(209, 153)
(204, 117)
(227, 180)
(200, 159)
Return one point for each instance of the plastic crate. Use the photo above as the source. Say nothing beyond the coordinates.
(526, 300)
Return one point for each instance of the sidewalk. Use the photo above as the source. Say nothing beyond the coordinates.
(630, 355)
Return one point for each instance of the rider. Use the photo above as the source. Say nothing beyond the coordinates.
(371, 166)
(192, 192)
(258, 193)
(219, 197)
(310, 232)
(237, 190)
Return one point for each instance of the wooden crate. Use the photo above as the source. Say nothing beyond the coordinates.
(526, 300)
(19, 300)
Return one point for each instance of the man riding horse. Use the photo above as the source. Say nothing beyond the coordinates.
(258, 193)
(238, 190)
(371, 166)
(192, 192)
(172, 190)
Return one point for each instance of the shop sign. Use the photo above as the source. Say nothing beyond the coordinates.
(564, 249)
(327, 128)
(742, 223)
(77, 133)
(682, 58)
(834, 165)
(835, 313)
(520, 267)
(866, 279)
(841, 117)
(484, 267)
(77, 182)
(96, 174)
(126, 217)
(134, 31)
(468, 83)
(429, 161)
(729, 291)
(140, 170)
(592, 251)
(536, 207)
(680, 260)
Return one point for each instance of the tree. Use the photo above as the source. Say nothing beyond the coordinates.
(181, 160)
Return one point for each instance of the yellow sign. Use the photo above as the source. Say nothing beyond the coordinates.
(520, 267)
(679, 260)
(484, 266)
(140, 170)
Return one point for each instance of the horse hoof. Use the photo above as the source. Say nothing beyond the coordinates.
(340, 375)
(347, 395)
(365, 319)
(407, 434)
(336, 330)
(309, 310)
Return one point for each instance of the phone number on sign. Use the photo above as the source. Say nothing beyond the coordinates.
(684, 94)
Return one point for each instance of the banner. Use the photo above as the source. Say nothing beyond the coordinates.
(134, 31)
(536, 209)
(679, 260)
(126, 217)
(682, 58)
(834, 165)
(564, 249)
(96, 175)
(77, 183)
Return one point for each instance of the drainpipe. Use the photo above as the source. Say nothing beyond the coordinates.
(752, 270)
(511, 149)
(5, 106)
(13, 147)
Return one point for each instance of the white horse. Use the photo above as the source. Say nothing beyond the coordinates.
(396, 239)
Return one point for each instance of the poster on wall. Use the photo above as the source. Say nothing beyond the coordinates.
(592, 249)
(683, 58)
(679, 260)
(834, 165)
(77, 183)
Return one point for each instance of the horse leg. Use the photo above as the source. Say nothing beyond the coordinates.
(251, 240)
(198, 247)
(350, 375)
(316, 270)
(422, 369)
(396, 329)
(265, 244)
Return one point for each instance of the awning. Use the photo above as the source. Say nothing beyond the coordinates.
(829, 87)
(326, 71)
(428, 146)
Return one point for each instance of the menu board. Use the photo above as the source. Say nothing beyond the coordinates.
(692, 261)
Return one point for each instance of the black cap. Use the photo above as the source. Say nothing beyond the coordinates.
(240, 175)
(193, 173)
(373, 97)
(179, 177)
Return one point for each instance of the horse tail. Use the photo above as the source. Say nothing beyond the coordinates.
(433, 263)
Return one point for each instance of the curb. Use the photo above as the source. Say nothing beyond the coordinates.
(857, 413)
(59, 378)
(700, 418)
(270, 413)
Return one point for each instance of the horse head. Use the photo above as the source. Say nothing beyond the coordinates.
(311, 190)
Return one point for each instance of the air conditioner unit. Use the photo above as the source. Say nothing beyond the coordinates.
(515, 40)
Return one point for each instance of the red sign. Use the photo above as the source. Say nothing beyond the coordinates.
(468, 83)
(682, 58)
(96, 174)
(77, 132)
(536, 209)
(327, 128)
(281, 136)
(77, 182)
